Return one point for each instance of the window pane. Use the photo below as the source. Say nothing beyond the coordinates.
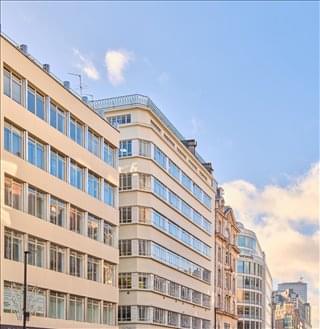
(6, 83)
(31, 100)
(40, 107)
(16, 89)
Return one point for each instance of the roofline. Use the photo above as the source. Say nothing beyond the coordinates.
(52, 76)
(124, 101)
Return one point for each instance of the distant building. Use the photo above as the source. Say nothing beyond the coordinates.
(254, 283)
(290, 312)
(299, 287)
(298, 290)
(225, 266)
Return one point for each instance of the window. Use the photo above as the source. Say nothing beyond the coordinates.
(125, 248)
(182, 264)
(11, 292)
(109, 313)
(36, 153)
(36, 250)
(125, 182)
(38, 295)
(160, 190)
(185, 321)
(196, 297)
(57, 211)
(206, 300)
(174, 200)
(108, 234)
(109, 274)
(125, 281)
(57, 118)
(144, 148)
(76, 131)
(6, 82)
(13, 139)
(36, 103)
(76, 220)
(159, 284)
(76, 175)
(57, 165)
(93, 227)
(142, 313)
(144, 181)
(173, 318)
(185, 293)
(143, 281)
(197, 191)
(174, 170)
(76, 264)
(120, 119)
(57, 303)
(13, 193)
(109, 154)
(186, 181)
(93, 185)
(160, 157)
(57, 258)
(125, 148)
(36, 203)
(174, 289)
(143, 215)
(93, 269)
(144, 248)
(12, 86)
(196, 323)
(93, 143)
(186, 209)
(16, 88)
(13, 245)
(125, 215)
(76, 308)
(109, 194)
(124, 313)
(205, 324)
(159, 315)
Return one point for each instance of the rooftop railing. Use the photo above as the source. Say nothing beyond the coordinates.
(106, 104)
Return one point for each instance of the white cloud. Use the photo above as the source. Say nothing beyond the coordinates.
(116, 62)
(86, 65)
(274, 212)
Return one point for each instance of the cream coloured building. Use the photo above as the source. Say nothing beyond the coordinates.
(59, 181)
(166, 201)
(227, 252)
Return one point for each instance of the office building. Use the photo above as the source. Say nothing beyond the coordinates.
(299, 287)
(254, 283)
(59, 181)
(227, 253)
(295, 293)
(166, 238)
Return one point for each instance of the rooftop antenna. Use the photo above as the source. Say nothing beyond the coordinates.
(80, 81)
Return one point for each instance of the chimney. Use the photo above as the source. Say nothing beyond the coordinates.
(220, 197)
(46, 67)
(66, 84)
(208, 166)
(191, 145)
(24, 49)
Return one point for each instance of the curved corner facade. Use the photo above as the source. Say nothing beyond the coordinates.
(254, 283)
(166, 202)
(59, 182)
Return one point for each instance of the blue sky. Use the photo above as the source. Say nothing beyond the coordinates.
(242, 78)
